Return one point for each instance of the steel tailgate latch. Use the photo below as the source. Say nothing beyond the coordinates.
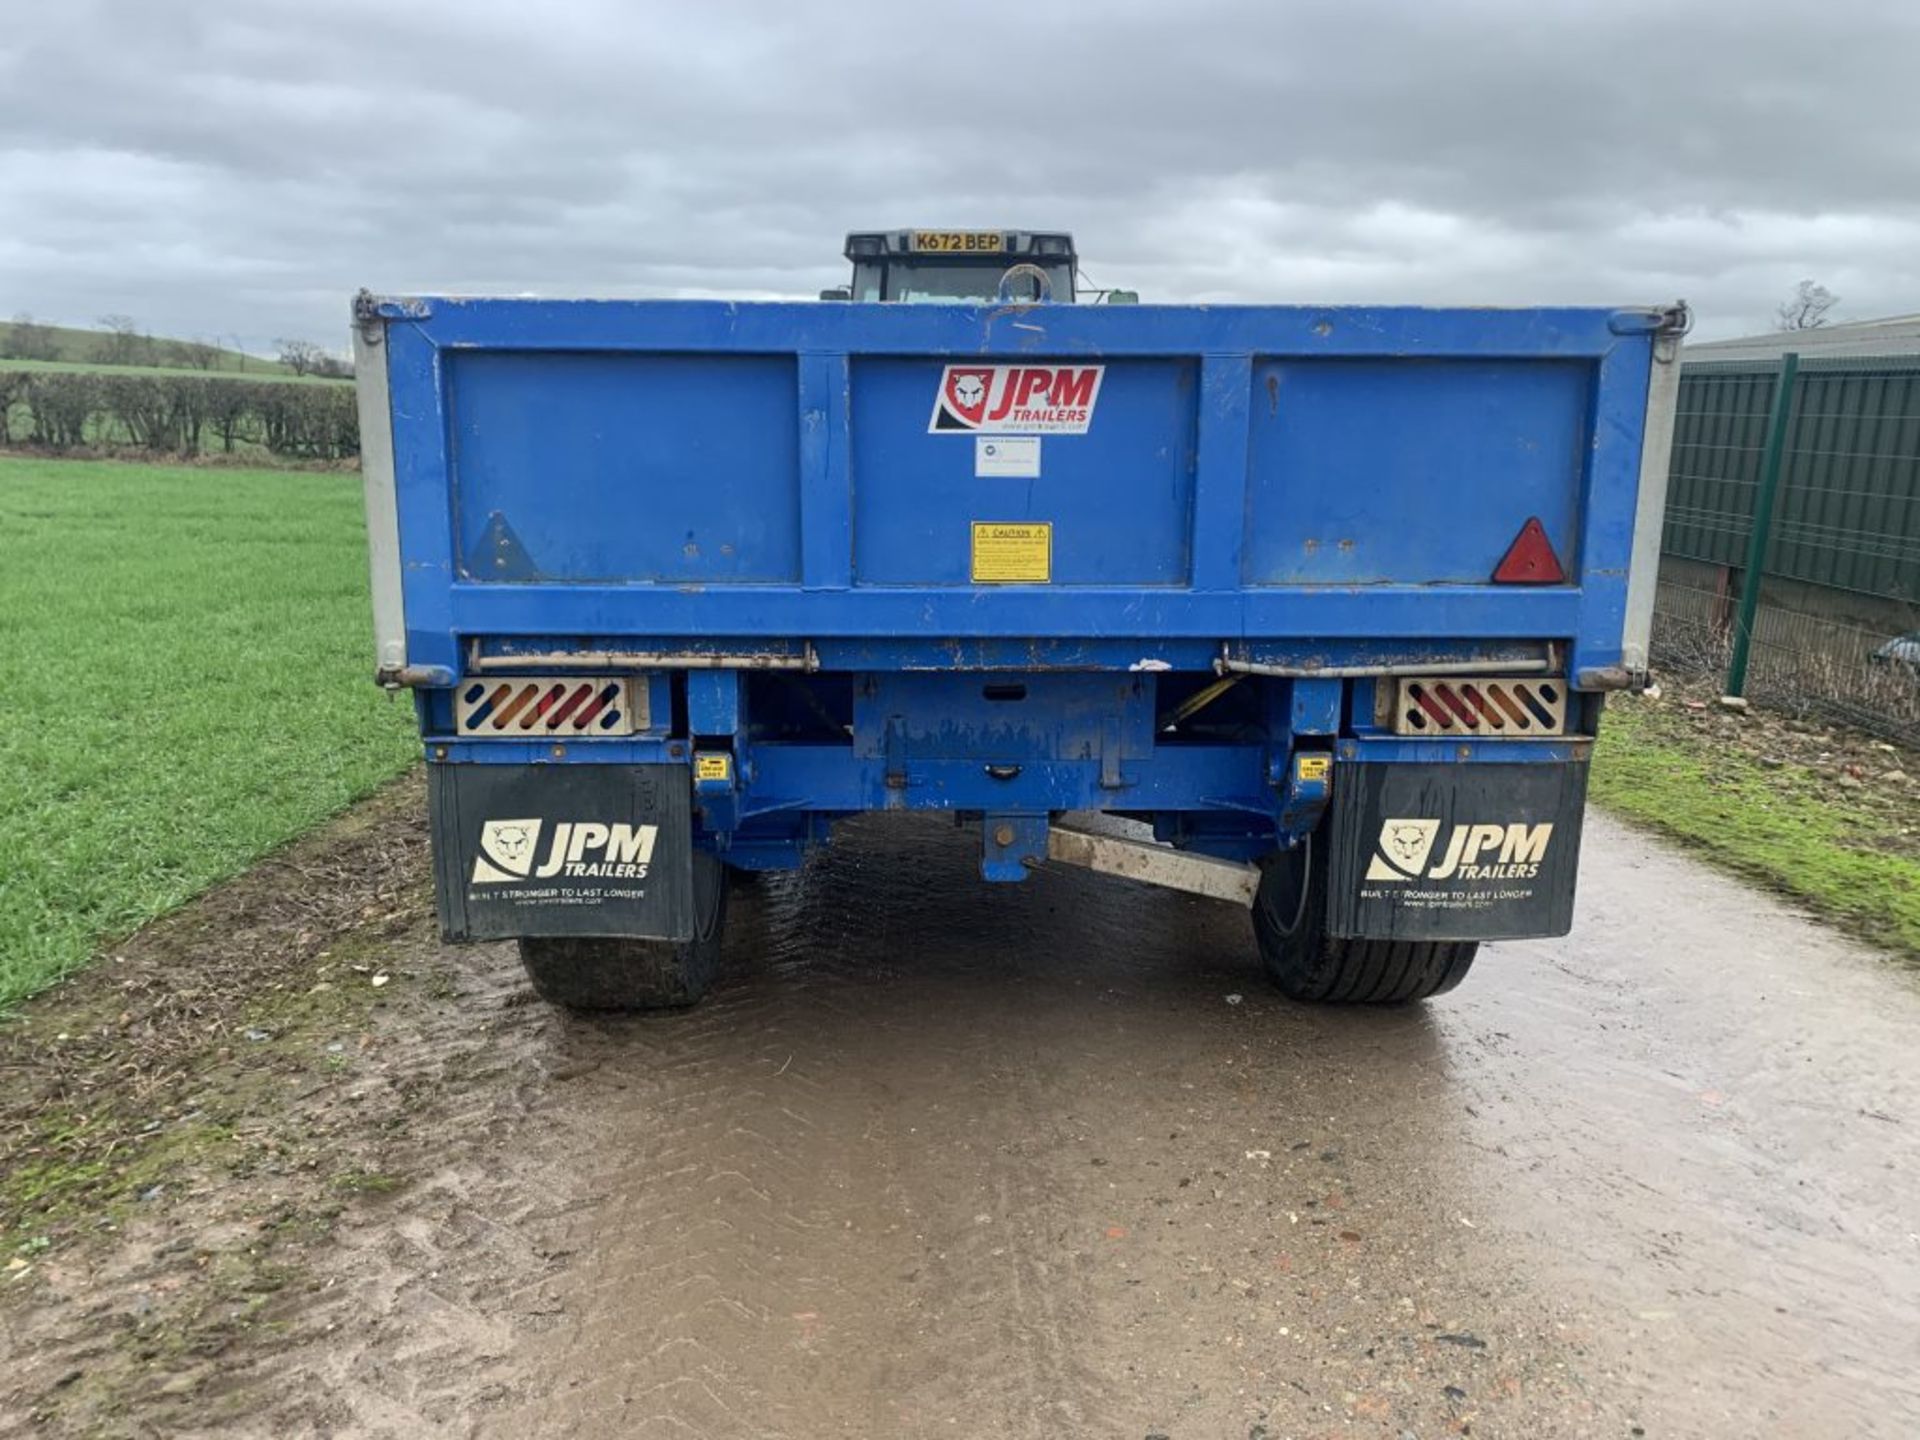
(366, 317)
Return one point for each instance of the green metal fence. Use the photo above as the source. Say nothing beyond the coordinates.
(1809, 471)
(1848, 510)
(1801, 663)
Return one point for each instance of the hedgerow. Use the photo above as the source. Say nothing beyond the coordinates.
(176, 414)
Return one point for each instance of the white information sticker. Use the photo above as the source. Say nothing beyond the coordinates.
(1017, 455)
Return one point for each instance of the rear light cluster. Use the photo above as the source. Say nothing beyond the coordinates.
(506, 708)
(1480, 707)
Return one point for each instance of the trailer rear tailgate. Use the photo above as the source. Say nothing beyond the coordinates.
(673, 469)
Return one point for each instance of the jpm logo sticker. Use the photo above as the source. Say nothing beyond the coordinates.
(578, 851)
(1016, 399)
(1472, 852)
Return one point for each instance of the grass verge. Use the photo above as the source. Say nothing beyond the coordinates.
(184, 686)
(1831, 821)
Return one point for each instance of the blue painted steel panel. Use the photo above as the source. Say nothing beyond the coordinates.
(713, 702)
(1014, 612)
(1119, 498)
(1003, 716)
(806, 540)
(1222, 778)
(653, 468)
(1013, 331)
(1376, 471)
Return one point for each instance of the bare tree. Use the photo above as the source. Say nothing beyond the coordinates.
(193, 354)
(1807, 309)
(27, 339)
(120, 344)
(303, 357)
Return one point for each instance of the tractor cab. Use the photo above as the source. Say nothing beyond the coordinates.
(958, 266)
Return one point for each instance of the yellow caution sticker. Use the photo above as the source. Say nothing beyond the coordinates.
(1313, 767)
(713, 765)
(1012, 553)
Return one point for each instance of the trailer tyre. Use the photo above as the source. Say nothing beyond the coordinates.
(1290, 923)
(598, 973)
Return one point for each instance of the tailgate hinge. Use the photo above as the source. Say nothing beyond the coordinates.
(369, 310)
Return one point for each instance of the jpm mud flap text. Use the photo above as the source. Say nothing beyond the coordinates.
(1454, 851)
(562, 850)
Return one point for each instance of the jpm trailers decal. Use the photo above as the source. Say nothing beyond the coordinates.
(1472, 852)
(580, 849)
(562, 850)
(1016, 399)
(1455, 851)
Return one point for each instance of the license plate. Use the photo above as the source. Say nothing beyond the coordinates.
(960, 242)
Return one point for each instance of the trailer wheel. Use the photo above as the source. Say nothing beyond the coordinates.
(589, 973)
(1290, 923)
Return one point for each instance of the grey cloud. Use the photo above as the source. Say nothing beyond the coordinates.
(218, 168)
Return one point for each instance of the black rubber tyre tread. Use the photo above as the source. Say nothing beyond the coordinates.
(1399, 963)
(1365, 972)
(1289, 922)
(1415, 969)
(602, 973)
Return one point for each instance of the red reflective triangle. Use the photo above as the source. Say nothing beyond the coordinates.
(1530, 559)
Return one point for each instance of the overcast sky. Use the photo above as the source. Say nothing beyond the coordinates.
(238, 167)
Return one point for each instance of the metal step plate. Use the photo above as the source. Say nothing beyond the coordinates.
(516, 707)
(1454, 705)
(1153, 863)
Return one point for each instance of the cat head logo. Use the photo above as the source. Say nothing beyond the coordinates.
(506, 850)
(966, 394)
(1403, 849)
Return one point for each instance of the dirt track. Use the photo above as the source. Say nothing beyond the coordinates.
(943, 1159)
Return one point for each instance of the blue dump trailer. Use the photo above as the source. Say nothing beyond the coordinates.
(1326, 599)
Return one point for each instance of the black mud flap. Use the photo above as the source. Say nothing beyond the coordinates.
(562, 850)
(1454, 851)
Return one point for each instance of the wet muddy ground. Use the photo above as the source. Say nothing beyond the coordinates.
(948, 1159)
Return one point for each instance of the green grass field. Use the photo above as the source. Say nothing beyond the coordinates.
(78, 347)
(184, 684)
